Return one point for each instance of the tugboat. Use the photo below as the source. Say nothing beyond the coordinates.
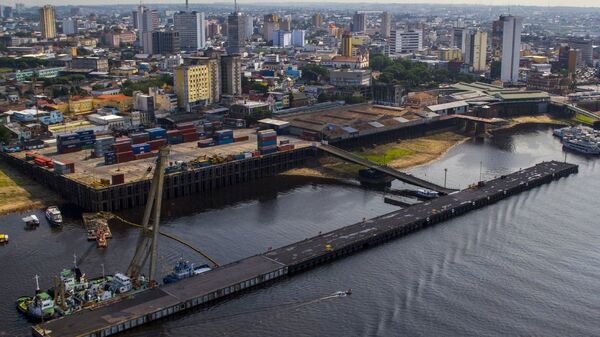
(184, 269)
(54, 216)
(426, 194)
(3, 238)
(39, 307)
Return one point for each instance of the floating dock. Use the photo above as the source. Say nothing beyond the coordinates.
(286, 261)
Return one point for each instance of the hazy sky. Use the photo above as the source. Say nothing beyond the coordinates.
(578, 3)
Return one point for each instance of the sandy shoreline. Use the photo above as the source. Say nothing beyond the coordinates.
(416, 152)
(18, 193)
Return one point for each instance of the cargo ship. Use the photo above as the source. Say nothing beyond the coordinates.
(73, 292)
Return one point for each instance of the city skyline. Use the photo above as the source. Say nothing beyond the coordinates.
(492, 3)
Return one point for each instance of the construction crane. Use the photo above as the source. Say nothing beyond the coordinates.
(146, 246)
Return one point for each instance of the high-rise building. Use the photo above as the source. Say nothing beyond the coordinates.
(248, 26)
(166, 42)
(7, 12)
(286, 23)
(476, 50)
(47, 22)
(386, 24)
(282, 39)
(569, 58)
(585, 48)
(192, 85)
(69, 26)
(298, 38)
(317, 20)
(270, 24)
(508, 46)
(459, 39)
(347, 44)
(214, 29)
(231, 74)
(359, 22)
(403, 42)
(192, 30)
(235, 33)
(146, 21)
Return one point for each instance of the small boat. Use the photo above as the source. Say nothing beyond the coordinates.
(54, 216)
(3, 238)
(101, 241)
(427, 194)
(31, 221)
(184, 269)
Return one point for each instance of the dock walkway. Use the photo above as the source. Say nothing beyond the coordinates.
(289, 260)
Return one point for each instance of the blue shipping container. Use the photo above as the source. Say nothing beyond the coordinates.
(267, 143)
(224, 141)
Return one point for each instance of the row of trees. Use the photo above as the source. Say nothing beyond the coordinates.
(21, 63)
(413, 74)
(128, 87)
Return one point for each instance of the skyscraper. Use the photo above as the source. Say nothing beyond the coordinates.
(231, 72)
(347, 44)
(476, 50)
(146, 21)
(317, 20)
(298, 38)
(459, 39)
(69, 26)
(166, 42)
(270, 24)
(359, 22)
(192, 30)
(47, 22)
(386, 24)
(507, 44)
(248, 26)
(235, 33)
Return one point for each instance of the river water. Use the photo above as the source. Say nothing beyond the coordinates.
(527, 265)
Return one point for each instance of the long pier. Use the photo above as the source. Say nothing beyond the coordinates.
(248, 273)
(348, 156)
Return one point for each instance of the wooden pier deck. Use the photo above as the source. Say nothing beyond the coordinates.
(248, 273)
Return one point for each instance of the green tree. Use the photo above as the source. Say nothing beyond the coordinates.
(314, 73)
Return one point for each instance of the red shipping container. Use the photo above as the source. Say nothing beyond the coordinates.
(267, 139)
(192, 137)
(174, 133)
(286, 147)
(50, 164)
(121, 147)
(241, 139)
(123, 140)
(118, 179)
(157, 144)
(39, 161)
(125, 156)
(140, 139)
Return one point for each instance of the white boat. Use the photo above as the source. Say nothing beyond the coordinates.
(31, 220)
(54, 216)
(425, 193)
(582, 146)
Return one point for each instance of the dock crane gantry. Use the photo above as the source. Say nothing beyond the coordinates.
(146, 246)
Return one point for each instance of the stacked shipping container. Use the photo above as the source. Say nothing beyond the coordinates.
(267, 141)
(223, 137)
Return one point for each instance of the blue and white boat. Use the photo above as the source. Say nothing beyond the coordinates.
(184, 269)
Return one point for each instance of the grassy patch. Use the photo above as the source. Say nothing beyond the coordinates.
(388, 156)
(584, 119)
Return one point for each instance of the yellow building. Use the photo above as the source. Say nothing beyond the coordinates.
(192, 85)
(80, 105)
(347, 44)
(119, 101)
(449, 54)
(47, 22)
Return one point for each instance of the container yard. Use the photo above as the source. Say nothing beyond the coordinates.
(239, 276)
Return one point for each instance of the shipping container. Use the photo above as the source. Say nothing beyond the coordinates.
(117, 179)
(286, 147)
(241, 139)
(85, 132)
(140, 148)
